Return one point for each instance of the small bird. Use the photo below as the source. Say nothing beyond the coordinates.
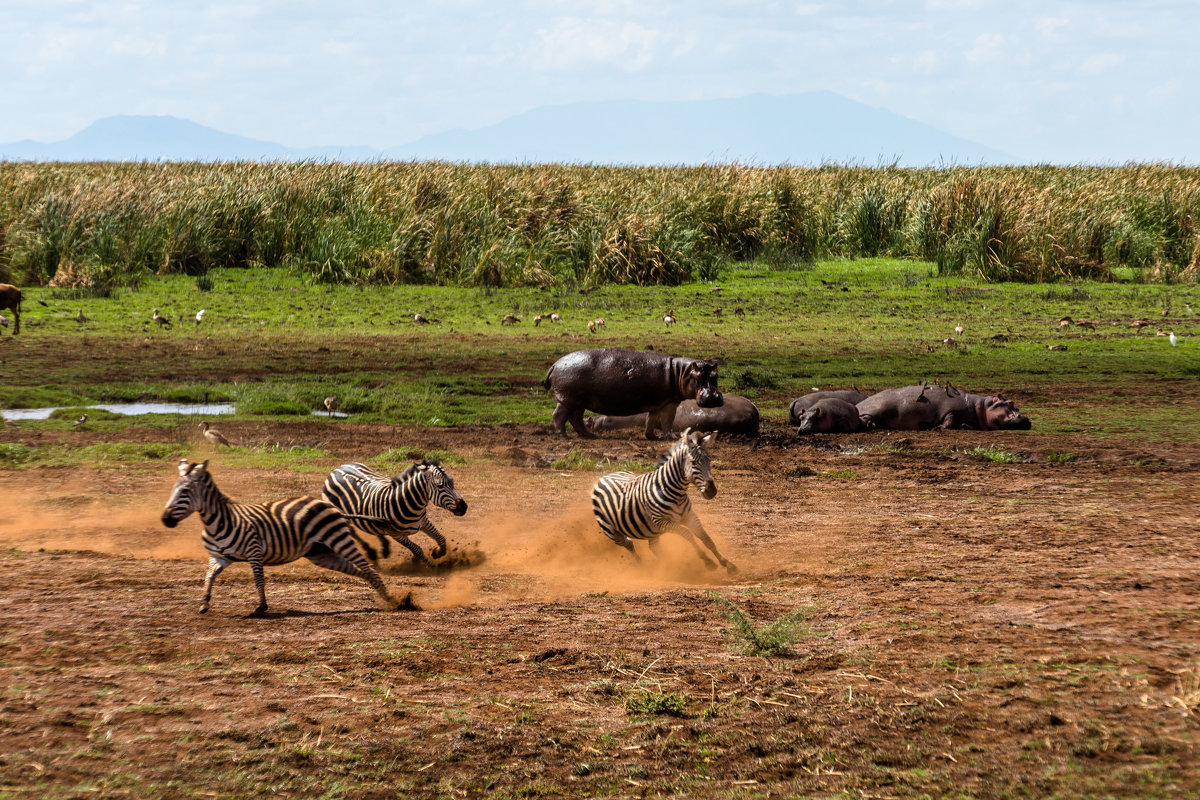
(554, 317)
(213, 435)
(537, 320)
(331, 404)
(1165, 312)
(3, 322)
(420, 318)
(1056, 347)
(1083, 323)
(1160, 332)
(79, 421)
(958, 330)
(1171, 338)
(43, 304)
(8, 423)
(1139, 324)
(716, 311)
(200, 315)
(592, 326)
(1188, 308)
(1066, 322)
(668, 319)
(80, 318)
(509, 319)
(715, 290)
(949, 342)
(160, 319)
(739, 312)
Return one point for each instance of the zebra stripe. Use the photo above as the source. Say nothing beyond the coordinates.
(395, 507)
(265, 534)
(630, 506)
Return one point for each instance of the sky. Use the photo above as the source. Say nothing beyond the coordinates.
(1065, 82)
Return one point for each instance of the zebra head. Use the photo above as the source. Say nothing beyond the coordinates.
(441, 488)
(699, 462)
(185, 496)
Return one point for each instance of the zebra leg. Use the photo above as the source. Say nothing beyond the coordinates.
(433, 533)
(260, 583)
(694, 530)
(349, 565)
(414, 548)
(215, 567)
(626, 542)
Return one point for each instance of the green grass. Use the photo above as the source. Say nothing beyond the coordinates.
(770, 639)
(277, 346)
(996, 454)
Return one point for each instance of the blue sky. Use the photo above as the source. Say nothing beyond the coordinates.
(1058, 81)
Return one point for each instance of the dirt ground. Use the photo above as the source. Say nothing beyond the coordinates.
(972, 629)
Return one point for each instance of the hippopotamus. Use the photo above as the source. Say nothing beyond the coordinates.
(624, 382)
(736, 415)
(830, 415)
(925, 407)
(802, 404)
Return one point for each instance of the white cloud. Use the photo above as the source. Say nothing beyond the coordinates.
(576, 43)
(988, 47)
(1100, 63)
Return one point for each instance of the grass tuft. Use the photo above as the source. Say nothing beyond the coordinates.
(770, 639)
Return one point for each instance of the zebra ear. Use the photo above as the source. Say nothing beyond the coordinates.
(184, 466)
(684, 437)
(712, 437)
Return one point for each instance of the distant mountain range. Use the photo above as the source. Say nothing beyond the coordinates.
(810, 128)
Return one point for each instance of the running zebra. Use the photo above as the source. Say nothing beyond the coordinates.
(394, 507)
(265, 534)
(629, 506)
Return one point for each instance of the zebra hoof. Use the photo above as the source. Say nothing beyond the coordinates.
(438, 553)
(260, 611)
(731, 569)
(204, 608)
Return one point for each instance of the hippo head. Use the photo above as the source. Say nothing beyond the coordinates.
(699, 383)
(814, 420)
(1002, 414)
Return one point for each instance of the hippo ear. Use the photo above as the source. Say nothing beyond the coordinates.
(715, 361)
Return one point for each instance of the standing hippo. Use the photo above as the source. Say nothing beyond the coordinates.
(736, 415)
(625, 382)
(830, 415)
(802, 404)
(925, 407)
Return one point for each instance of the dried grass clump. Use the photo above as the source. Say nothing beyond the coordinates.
(510, 225)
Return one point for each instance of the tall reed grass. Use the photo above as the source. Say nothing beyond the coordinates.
(102, 224)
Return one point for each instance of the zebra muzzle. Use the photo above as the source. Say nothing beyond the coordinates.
(460, 508)
(168, 520)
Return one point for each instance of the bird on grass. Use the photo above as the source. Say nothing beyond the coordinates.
(200, 315)
(1139, 324)
(958, 330)
(8, 423)
(1171, 338)
(554, 317)
(537, 320)
(79, 421)
(420, 319)
(331, 404)
(668, 319)
(160, 319)
(80, 318)
(510, 319)
(3, 322)
(213, 435)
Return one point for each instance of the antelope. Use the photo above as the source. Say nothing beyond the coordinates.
(10, 298)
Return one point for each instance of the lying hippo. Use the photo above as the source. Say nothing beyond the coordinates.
(625, 382)
(736, 415)
(925, 407)
(830, 415)
(802, 404)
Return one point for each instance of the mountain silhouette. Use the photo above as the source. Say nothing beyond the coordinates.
(802, 129)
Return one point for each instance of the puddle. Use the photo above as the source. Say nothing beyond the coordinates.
(127, 408)
(338, 414)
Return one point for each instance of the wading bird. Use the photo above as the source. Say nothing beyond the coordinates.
(331, 404)
(80, 318)
(213, 435)
(160, 319)
(420, 319)
(79, 421)
(200, 315)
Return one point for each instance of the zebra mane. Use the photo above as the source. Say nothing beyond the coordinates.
(411, 469)
(669, 453)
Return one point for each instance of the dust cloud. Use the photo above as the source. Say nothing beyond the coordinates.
(65, 522)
